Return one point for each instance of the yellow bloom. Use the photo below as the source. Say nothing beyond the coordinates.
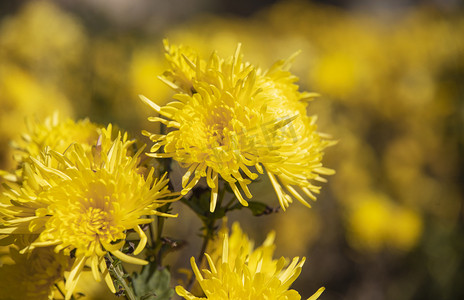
(85, 202)
(370, 227)
(33, 275)
(43, 35)
(230, 117)
(243, 273)
(55, 134)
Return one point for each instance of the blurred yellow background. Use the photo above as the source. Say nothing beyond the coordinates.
(389, 224)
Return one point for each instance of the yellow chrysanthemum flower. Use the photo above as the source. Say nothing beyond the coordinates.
(33, 275)
(55, 134)
(243, 273)
(84, 202)
(230, 117)
(369, 227)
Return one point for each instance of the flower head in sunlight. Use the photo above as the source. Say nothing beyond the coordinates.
(33, 275)
(85, 202)
(216, 129)
(243, 273)
(234, 118)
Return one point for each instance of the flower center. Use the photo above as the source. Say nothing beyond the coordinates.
(96, 221)
(217, 134)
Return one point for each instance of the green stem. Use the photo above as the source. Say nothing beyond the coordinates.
(151, 232)
(206, 238)
(222, 192)
(160, 223)
(210, 227)
(119, 274)
(159, 234)
(156, 234)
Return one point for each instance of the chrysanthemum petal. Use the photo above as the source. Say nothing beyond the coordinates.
(152, 104)
(74, 275)
(107, 276)
(143, 240)
(317, 294)
(129, 259)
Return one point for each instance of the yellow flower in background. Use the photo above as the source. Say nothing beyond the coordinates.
(50, 134)
(406, 230)
(56, 135)
(33, 275)
(43, 36)
(240, 272)
(368, 223)
(84, 201)
(143, 66)
(42, 48)
(230, 118)
(375, 223)
(337, 74)
(185, 67)
(24, 96)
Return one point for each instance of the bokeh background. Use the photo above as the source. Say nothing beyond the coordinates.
(389, 224)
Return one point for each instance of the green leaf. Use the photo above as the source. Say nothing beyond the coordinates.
(152, 283)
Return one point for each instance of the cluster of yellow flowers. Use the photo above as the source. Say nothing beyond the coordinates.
(392, 97)
(391, 92)
(80, 189)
